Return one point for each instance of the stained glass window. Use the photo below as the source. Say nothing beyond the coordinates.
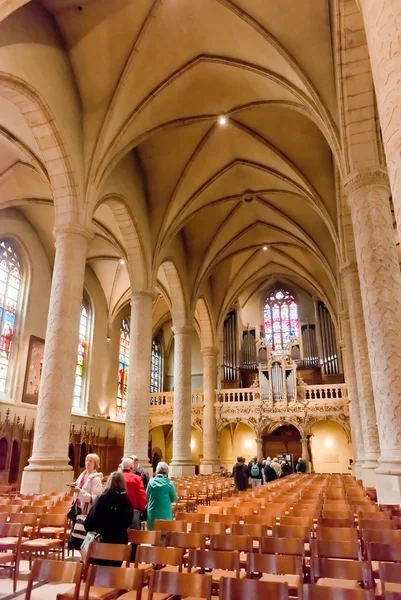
(10, 280)
(280, 318)
(78, 401)
(156, 368)
(123, 365)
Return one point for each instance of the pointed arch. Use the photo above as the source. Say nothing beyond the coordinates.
(178, 305)
(202, 315)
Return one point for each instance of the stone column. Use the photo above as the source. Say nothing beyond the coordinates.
(210, 462)
(382, 19)
(350, 378)
(305, 452)
(363, 375)
(181, 463)
(259, 448)
(48, 468)
(380, 283)
(138, 391)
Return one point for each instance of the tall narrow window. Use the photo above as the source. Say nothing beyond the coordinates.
(10, 279)
(280, 318)
(123, 366)
(156, 369)
(78, 401)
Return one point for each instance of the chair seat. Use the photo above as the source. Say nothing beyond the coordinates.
(9, 541)
(96, 593)
(349, 584)
(6, 557)
(52, 531)
(41, 543)
(145, 593)
(217, 574)
(293, 581)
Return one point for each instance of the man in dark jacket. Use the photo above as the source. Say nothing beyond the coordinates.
(139, 470)
(241, 475)
(300, 467)
(270, 473)
(255, 472)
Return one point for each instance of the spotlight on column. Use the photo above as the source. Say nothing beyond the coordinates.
(222, 120)
(265, 248)
(122, 261)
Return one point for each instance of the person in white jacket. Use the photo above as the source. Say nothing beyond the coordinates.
(86, 488)
(276, 466)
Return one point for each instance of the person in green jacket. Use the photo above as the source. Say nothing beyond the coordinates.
(160, 493)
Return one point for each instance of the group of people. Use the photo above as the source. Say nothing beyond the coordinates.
(128, 498)
(259, 472)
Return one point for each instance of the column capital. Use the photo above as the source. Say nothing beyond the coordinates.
(72, 229)
(349, 270)
(367, 178)
(344, 314)
(210, 351)
(183, 330)
(139, 294)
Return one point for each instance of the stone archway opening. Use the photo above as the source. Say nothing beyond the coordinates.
(284, 440)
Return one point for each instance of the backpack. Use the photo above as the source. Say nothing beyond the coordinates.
(255, 472)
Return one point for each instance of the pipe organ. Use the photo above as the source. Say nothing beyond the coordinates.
(249, 361)
(230, 357)
(329, 356)
(278, 378)
(309, 343)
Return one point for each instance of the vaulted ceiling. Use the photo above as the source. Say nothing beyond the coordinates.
(137, 89)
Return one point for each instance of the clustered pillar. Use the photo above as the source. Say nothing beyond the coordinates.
(181, 463)
(210, 462)
(48, 468)
(380, 286)
(137, 413)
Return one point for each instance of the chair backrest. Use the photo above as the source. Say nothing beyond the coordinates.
(159, 556)
(349, 522)
(209, 528)
(34, 509)
(191, 585)
(10, 508)
(337, 514)
(334, 549)
(242, 543)
(317, 592)
(117, 552)
(381, 536)
(376, 524)
(286, 545)
(378, 515)
(228, 519)
(277, 564)
(332, 534)
(190, 517)
(114, 577)
(177, 539)
(49, 520)
(138, 536)
(210, 510)
(238, 589)
(296, 531)
(4, 516)
(11, 530)
(266, 520)
(297, 521)
(256, 530)
(162, 525)
(214, 559)
(389, 573)
(355, 570)
(55, 571)
(383, 552)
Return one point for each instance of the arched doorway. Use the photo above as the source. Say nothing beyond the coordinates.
(286, 439)
(3, 453)
(71, 455)
(14, 463)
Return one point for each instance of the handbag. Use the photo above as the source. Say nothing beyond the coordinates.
(79, 530)
(90, 537)
(72, 512)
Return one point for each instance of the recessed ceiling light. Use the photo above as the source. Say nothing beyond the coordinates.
(122, 261)
(222, 120)
(264, 247)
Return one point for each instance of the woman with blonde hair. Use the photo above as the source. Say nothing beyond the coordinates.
(86, 489)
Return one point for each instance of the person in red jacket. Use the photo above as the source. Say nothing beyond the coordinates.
(135, 491)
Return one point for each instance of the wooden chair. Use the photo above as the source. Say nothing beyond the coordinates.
(349, 522)
(390, 579)
(203, 509)
(164, 525)
(383, 552)
(227, 519)
(10, 548)
(149, 558)
(332, 534)
(28, 519)
(241, 543)
(240, 511)
(286, 545)
(300, 532)
(296, 521)
(334, 549)
(10, 508)
(121, 553)
(264, 520)
(111, 581)
(255, 531)
(219, 563)
(40, 510)
(238, 589)
(51, 537)
(376, 524)
(317, 592)
(187, 541)
(209, 528)
(139, 536)
(190, 517)
(337, 514)
(184, 585)
(333, 572)
(380, 536)
(279, 568)
(55, 571)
